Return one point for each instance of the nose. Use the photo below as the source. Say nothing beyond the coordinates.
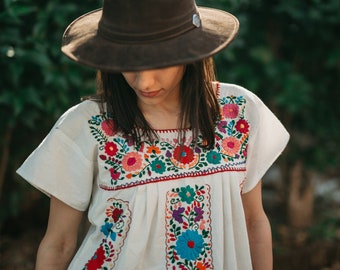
(144, 80)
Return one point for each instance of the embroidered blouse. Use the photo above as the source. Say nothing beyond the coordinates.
(159, 205)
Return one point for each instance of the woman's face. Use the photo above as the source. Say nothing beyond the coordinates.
(156, 87)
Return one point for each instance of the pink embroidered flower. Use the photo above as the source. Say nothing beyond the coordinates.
(184, 154)
(111, 148)
(231, 146)
(202, 224)
(132, 162)
(108, 127)
(97, 260)
(230, 110)
(242, 126)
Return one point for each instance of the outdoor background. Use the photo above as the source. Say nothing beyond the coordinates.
(287, 52)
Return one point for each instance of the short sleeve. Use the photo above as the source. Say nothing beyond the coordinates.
(267, 140)
(62, 165)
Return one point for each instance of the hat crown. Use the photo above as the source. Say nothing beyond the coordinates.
(136, 21)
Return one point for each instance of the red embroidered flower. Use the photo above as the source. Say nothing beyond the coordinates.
(242, 126)
(97, 260)
(184, 154)
(115, 213)
(111, 148)
(114, 174)
(108, 127)
(230, 110)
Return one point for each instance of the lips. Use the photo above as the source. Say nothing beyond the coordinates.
(150, 94)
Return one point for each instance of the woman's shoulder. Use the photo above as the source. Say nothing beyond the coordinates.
(75, 120)
(228, 89)
(84, 108)
(80, 112)
(233, 93)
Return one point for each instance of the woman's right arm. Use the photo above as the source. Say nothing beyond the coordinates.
(58, 245)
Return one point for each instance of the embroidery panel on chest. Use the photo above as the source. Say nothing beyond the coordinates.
(164, 159)
(114, 230)
(188, 228)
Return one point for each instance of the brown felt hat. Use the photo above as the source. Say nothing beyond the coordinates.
(131, 35)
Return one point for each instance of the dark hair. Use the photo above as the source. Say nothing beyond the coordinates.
(199, 104)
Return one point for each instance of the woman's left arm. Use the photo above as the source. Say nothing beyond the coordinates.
(259, 231)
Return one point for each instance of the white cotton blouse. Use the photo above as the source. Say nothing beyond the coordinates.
(159, 205)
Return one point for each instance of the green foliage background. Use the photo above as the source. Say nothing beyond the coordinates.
(287, 52)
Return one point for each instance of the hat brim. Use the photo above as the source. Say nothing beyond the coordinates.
(82, 43)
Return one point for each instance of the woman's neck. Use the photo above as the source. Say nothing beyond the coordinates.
(162, 117)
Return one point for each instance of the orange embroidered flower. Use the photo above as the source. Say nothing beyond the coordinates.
(132, 162)
(153, 149)
(231, 146)
(200, 266)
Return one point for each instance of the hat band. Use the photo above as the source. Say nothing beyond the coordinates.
(107, 32)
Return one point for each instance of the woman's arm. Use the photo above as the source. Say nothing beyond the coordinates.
(259, 231)
(59, 243)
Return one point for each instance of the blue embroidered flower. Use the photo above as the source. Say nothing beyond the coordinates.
(113, 236)
(96, 120)
(158, 166)
(106, 228)
(187, 194)
(213, 157)
(189, 245)
(177, 214)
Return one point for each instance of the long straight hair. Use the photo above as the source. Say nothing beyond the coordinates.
(198, 103)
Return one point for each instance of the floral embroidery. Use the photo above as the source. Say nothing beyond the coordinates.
(242, 126)
(111, 148)
(108, 127)
(97, 260)
(132, 162)
(235, 126)
(183, 154)
(213, 157)
(231, 146)
(164, 159)
(115, 228)
(188, 230)
(230, 110)
(187, 194)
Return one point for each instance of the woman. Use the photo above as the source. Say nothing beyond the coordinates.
(167, 161)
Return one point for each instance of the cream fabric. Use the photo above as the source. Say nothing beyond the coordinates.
(159, 206)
